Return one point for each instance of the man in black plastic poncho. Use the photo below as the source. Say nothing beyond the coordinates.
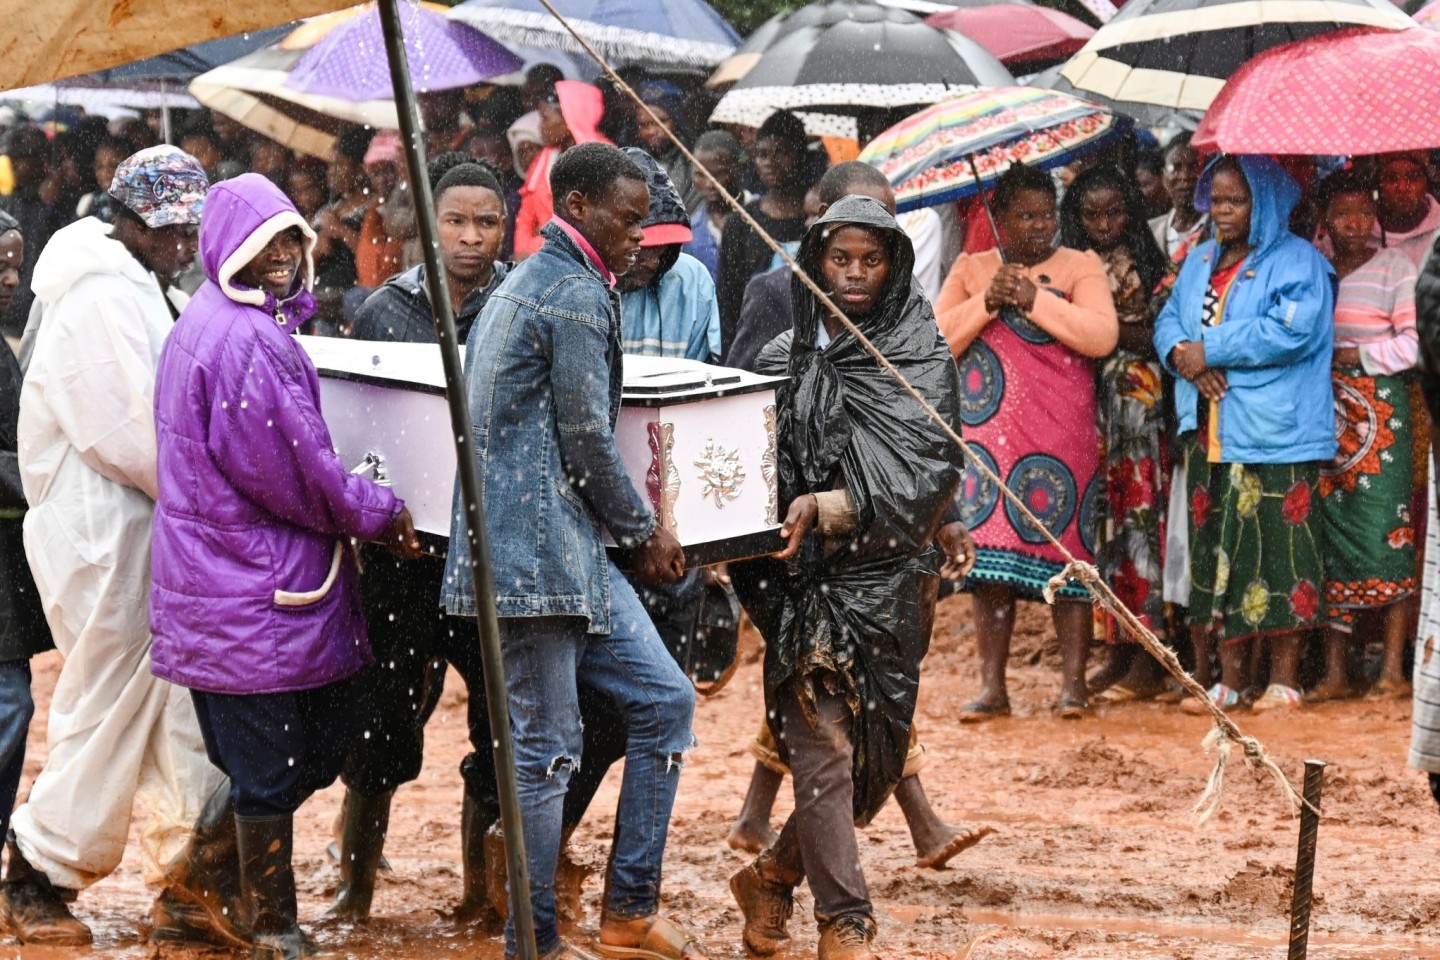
(846, 608)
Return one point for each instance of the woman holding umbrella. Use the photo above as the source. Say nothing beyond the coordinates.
(1248, 329)
(1026, 324)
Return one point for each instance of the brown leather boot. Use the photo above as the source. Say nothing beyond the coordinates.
(200, 900)
(847, 938)
(766, 902)
(34, 909)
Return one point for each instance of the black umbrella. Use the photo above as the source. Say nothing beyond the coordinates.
(1179, 53)
(856, 57)
(739, 63)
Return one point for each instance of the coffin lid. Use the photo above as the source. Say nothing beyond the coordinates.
(649, 381)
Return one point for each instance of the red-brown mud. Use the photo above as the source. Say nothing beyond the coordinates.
(1096, 854)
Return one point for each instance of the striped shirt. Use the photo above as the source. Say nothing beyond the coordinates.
(1425, 716)
(1375, 311)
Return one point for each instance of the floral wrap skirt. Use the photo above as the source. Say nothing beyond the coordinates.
(1256, 562)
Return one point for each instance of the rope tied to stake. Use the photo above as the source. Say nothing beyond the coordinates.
(1225, 735)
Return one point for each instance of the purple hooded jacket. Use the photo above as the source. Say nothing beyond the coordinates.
(254, 586)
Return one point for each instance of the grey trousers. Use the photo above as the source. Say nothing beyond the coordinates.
(818, 841)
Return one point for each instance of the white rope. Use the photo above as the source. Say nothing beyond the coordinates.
(1226, 732)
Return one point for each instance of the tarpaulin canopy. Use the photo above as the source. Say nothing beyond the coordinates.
(62, 38)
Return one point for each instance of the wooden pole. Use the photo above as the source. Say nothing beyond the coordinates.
(462, 430)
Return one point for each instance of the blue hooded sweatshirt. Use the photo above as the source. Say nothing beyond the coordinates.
(1275, 339)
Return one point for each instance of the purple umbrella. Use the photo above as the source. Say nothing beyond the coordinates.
(350, 62)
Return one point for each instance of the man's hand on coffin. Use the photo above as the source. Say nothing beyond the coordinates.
(959, 551)
(717, 575)
(799, 520)
(661, 558)
(401, 539)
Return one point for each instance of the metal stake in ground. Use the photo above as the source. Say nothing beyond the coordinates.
(460, 428)
(1300, 900)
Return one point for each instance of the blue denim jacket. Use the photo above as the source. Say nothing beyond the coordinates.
(542, 377)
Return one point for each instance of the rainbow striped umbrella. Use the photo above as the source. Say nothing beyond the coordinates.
(933, 157)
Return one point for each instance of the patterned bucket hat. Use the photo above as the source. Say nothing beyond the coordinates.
(164, 186)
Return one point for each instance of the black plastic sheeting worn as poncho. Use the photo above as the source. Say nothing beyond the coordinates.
(854, 612)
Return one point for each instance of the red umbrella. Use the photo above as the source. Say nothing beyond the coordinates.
(1017, 33)
(1350, 92)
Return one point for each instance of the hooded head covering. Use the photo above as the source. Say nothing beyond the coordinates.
(1274, 195)
(819, 423)
(664, 95)
(859, 211)
(242, 216)
(583, 107)
(667, 222)
(524, 130)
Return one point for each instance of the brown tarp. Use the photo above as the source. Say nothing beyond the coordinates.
(45, 40)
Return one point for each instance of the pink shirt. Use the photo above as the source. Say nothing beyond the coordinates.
(1375, 311)
(588, 249)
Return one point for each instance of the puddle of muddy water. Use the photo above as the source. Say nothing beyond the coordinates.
(1329, 947)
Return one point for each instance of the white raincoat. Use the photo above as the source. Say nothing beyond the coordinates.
(87, 460)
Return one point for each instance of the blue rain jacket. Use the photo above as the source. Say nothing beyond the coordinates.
(1276, 338)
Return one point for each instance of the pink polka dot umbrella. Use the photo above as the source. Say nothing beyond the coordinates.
(1352, 92)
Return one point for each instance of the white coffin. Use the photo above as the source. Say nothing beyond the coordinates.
(698, 440)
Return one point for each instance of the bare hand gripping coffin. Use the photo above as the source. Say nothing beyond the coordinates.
(697, 440)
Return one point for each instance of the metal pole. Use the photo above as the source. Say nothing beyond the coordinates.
(1305, 860)
(486, 623)
(165, 132)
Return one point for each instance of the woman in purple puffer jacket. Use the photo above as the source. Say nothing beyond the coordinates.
(254, 603)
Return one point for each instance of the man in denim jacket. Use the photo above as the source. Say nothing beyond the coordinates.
(543, 376)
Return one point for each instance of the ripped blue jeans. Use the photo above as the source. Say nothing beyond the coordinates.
(544, 656)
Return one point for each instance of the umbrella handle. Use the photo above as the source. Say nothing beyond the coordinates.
(994, 230)
(985, 204)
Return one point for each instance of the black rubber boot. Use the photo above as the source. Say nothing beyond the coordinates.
(34, 907)
(364, 823)
(268, 878)
(200, 900)
(476, 819)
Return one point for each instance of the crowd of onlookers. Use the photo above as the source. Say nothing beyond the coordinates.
(1178, 425)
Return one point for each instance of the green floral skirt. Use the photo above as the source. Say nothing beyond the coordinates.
(1255, 558)
(1365, 497)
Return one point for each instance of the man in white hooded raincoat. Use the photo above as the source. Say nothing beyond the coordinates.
(87, 459)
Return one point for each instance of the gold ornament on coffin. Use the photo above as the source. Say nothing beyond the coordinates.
(662, 480)
(769, 463)
(721, 474)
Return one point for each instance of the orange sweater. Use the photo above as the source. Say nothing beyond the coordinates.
(1085, 322)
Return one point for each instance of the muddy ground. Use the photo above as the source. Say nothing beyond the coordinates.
(1096, 854)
